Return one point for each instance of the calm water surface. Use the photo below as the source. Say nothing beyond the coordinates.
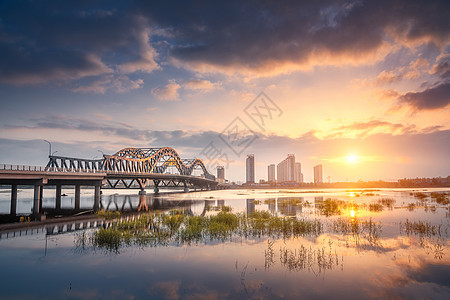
(400, 249)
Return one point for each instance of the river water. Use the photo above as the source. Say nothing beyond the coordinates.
(381, 243)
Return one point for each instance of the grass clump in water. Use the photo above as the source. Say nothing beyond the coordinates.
(329, 207)
(440, 198)
(420, 195)
(108, 215)
(376, 207)
(109, 239)
(420, 228)
(388, 202)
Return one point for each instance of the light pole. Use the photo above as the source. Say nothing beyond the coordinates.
(54, 152)
(101, 152)
(50, 148)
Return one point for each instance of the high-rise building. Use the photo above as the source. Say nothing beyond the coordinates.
(286, 169)
(298, 172)
(250, 168)
(271, 173)
(318, 177)
(220, 173)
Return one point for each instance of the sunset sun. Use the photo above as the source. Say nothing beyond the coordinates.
(352, 158)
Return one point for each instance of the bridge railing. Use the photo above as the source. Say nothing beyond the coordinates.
(10, 167)
(46, 169)
(21, 168)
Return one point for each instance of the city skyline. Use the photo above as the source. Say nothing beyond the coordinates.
(360, 87)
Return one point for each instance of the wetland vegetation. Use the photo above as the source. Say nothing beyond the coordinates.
(253, 244)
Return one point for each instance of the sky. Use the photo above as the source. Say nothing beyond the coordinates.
(361, 87)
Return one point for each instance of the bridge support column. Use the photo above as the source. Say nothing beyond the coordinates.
(58, 197)
(36, 200)
(186, 189)
(97, 198)
(41, 197)
(77, 196)
(156, 188)
(13, 209)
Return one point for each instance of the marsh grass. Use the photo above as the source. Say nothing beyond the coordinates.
(175, 228)
(218, 208)
(375, 207)
(419, 195)
(440, 198)
(363, 232)
(420, 228)
(330, 207)
(314, 260)
(387, 202)
(108, 215)
(269, 201)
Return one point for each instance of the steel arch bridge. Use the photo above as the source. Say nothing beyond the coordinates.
(140, 164)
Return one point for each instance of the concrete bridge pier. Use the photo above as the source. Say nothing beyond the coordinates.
(97, 196)
(37, 199)
(77, 196)
(58, 196)
(13, 209)
(41, 197)
(186, 189)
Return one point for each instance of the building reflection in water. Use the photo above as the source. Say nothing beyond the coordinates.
(290, 206)
(250, 206)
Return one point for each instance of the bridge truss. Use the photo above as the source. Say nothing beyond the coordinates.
(131, 167)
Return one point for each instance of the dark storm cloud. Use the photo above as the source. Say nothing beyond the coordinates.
(50, 40)
(253, 33)
(432, 98)
(59, 40)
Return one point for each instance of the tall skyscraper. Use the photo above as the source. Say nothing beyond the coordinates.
(298, 172)
(318, 177)
(250, 168)
(220, 172)
(271, 173)
(286, 169)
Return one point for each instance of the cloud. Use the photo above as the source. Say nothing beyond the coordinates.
(412, 71)
(20, 66)
(199, 84)
(432, 98)
(110, 129)
(386, 77)
(365, 129)
(167, 93)
(47, 41)
(442, 67)
(146, 58)
(119, 84)
(59, 42)
(278, 37)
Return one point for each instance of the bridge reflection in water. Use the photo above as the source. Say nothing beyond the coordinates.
(150, 202)
(130, 207)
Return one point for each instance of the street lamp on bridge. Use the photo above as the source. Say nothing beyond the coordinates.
(50, 148)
